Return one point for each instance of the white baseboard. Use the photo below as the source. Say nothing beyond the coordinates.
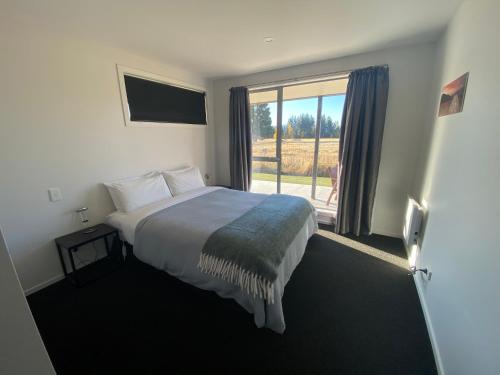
(43, 284)
(428, 322)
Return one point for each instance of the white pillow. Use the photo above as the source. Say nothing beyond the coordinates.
(183, 180)
(113, 192)
(136, 192)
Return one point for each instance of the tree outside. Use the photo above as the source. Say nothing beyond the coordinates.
(262, 124)
(300, 126)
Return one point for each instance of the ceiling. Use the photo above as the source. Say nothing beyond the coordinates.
(217, 38)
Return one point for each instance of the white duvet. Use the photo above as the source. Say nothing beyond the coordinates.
(182, 263)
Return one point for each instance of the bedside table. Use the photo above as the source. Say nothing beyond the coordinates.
(72, 242)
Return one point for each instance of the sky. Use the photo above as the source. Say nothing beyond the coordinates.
(332, 106)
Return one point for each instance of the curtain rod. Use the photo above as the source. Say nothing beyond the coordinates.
(299, 79)
(340, 73)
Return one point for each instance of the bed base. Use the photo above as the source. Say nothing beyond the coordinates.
(129, 256)
(129, 250)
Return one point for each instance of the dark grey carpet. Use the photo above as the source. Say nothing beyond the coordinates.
(346, 312)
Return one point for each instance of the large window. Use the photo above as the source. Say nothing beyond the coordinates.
(295, 132)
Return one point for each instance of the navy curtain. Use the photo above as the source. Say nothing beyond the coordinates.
(240, 139)
(360, 145)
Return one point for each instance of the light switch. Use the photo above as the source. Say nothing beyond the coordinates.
(55, 194)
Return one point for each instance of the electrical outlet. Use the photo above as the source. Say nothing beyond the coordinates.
(55, 194)
(429, 274)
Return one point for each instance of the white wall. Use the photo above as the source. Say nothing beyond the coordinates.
(407, 113)
(21, 347)
(61, 125)
(460, 190)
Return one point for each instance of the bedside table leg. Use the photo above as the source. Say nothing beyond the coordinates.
(61, 258)
(105, 238)
(75, 271)
(117, 246)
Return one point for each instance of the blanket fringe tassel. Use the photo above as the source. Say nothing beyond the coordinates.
(250, 282)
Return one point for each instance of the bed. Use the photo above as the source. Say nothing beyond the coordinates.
(170, 235)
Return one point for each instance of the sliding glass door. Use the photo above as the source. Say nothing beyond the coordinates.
(295, 130)
(298, 146)
(265, 162)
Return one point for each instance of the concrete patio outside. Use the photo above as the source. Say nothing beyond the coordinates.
(322, 193)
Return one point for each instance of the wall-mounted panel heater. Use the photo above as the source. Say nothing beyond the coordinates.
(413, 223)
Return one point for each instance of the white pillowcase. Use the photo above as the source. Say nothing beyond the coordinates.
(113, 192)
(136, 192)
(183, 180)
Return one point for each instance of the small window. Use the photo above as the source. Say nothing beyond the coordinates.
(148, 99)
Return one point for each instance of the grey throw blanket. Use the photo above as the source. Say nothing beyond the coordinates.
(248, 251)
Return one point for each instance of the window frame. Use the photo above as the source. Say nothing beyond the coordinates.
(279, 137)
(124, 70)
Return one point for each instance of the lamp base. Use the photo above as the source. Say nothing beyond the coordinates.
(90, 230)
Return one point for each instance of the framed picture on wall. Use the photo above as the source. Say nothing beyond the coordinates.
(453, 96)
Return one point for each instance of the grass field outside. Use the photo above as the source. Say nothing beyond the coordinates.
(301, 180)
(297, 160)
